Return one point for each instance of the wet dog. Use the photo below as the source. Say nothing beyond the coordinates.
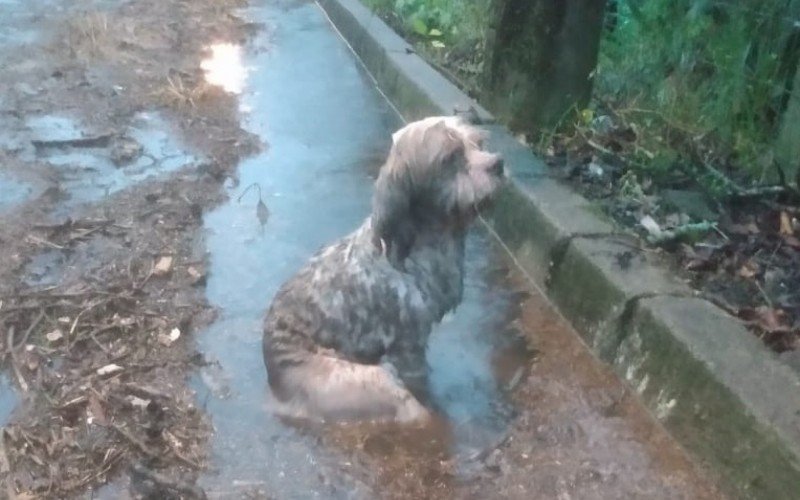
(346, 336)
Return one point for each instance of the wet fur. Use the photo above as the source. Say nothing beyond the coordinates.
(345, 336)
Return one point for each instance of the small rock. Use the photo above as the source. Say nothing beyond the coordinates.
(163, 266)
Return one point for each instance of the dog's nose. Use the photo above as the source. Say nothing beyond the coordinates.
(498, 166)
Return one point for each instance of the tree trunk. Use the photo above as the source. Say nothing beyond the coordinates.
(541, 55)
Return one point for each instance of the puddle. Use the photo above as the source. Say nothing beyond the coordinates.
(12, 192)
(88, 172)
(45, 268)
(322, 118)
(8, 398)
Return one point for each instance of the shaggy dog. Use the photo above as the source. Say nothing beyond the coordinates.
(346, 336)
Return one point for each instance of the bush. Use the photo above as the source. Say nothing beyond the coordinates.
(712, 71)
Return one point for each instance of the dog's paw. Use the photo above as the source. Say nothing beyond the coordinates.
(411, 411)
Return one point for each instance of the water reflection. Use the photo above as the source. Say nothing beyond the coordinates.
(224, 68)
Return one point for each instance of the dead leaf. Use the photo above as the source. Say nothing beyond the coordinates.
(787, 228)
(163, 266)
(54, 336)
(109, 369)
(168, 339)
(262, 212)
(96, 411)
(138, 402)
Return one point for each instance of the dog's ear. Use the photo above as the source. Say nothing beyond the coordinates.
(440, 143)
(393, 229)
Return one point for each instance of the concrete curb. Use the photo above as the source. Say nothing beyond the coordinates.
(713, 385)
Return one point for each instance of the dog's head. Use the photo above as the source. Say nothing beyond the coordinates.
(437, 175)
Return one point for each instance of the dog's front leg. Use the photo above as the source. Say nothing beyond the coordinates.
(407, 358)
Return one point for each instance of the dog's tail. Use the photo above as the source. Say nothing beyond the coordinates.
(327, 388)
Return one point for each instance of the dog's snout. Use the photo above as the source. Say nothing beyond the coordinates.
(497, 167)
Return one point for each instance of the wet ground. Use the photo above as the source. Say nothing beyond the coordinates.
(526, 412)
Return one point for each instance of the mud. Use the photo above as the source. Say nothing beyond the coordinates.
(168, 165)
(96, 329)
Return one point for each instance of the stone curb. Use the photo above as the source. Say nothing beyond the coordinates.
(718, 390)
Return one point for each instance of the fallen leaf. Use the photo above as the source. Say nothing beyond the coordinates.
(163, 266)
(168, 339)
(54, 336)
(109, 369)
(262, 212)
(787, 227)
(95, 410)
(138, 402)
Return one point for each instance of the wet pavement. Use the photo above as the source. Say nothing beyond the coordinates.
(326, 127)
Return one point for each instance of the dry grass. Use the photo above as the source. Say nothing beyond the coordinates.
(89, 35)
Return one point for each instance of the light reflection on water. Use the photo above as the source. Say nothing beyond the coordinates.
(225, 67)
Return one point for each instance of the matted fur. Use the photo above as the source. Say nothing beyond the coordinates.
(345, 335)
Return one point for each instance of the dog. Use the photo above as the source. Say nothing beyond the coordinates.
(345, 338)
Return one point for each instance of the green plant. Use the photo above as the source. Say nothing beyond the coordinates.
(705, 69)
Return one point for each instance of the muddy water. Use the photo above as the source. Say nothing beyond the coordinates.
(88, 174)
(8, 398)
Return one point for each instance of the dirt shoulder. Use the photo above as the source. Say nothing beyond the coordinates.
(101, 286)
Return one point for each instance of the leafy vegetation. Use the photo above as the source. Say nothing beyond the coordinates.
(703, 82)
(707, 79)
(441, 22)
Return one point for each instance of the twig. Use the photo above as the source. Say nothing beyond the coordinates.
(44, 242)
(17, 373)
(255, 185)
